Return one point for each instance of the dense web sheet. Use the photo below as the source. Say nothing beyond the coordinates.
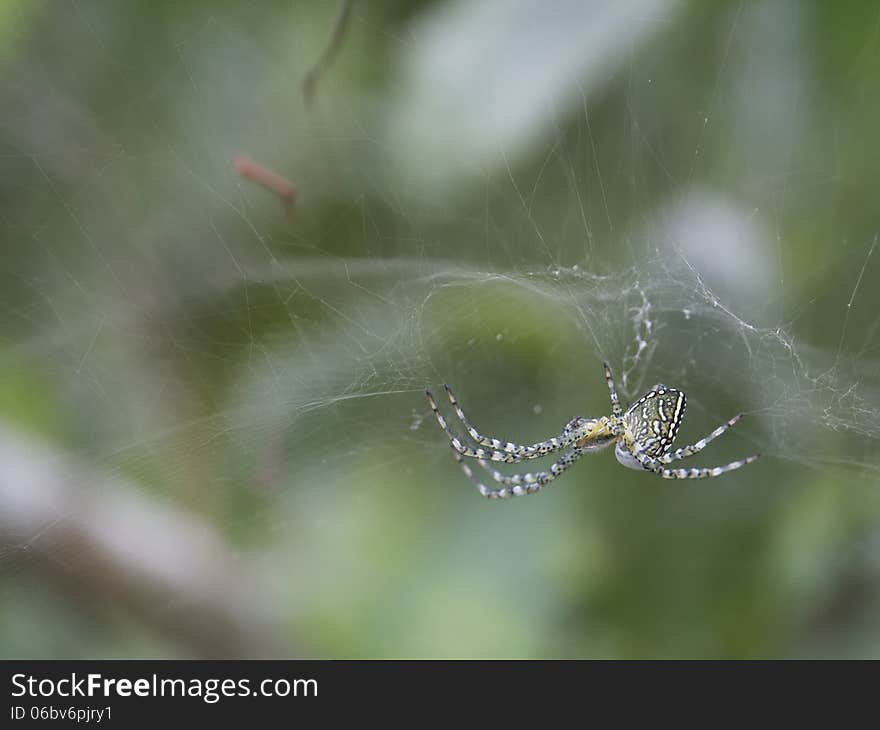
(657, 321)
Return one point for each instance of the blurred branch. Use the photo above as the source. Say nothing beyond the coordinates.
(102, 538)
(316, 72)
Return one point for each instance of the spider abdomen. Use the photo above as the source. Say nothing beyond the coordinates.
(653, 420)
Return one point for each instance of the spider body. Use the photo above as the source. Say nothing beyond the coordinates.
(654, 419)
(643, 437)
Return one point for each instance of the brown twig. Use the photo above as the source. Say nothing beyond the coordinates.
(270, 180)
(316, 72)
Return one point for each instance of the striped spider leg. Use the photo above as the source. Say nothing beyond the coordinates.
(500, 451)
(503, 451)
(616, 410)
(516, 485)
(656, 466)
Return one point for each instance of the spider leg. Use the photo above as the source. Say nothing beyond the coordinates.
(686, 451)
(500, 451)
(615, 400)
(656, 466)
(502, 478)
(530, 451)
(517, 485)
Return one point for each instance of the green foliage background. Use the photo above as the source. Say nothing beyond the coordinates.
(257, 375)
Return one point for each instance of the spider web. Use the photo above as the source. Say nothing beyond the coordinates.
(256, 376)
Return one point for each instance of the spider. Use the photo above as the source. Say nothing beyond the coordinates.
(643, 435)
